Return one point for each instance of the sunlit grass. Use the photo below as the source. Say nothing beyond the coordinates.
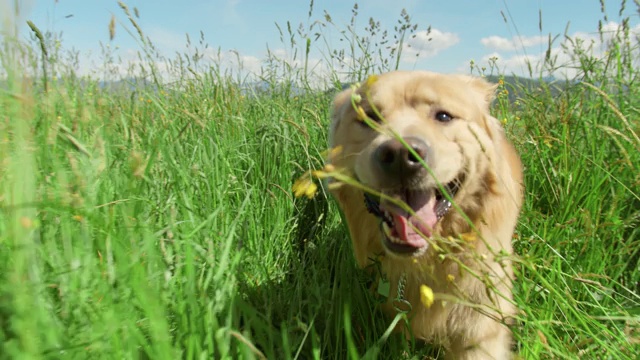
(158, 220)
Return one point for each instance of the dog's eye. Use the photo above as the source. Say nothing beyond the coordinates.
(373, 116)
(443, 116)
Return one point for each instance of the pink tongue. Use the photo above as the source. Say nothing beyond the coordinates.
(424, 221)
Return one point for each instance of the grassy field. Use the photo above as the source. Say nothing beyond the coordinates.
(157, 221)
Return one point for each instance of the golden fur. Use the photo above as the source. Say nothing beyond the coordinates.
(466, 262)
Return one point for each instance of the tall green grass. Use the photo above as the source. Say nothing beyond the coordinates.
(154, 219)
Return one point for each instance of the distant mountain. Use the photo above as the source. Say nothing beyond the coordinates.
(518, 86)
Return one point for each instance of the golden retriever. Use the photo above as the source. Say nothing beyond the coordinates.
(443, 192)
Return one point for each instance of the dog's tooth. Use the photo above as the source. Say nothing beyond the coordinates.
(387, 233)
(387, 218)
(442, 208)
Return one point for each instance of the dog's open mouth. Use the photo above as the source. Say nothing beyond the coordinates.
(404, 232)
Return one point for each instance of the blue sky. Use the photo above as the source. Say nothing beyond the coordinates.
(460, 30)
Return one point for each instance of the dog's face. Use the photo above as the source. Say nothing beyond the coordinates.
(445, 121)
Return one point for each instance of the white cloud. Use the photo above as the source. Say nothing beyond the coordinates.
(428, 44)
(499, 43)
(231, 14)
(234, 62)
(320, 72)
(132, 63)
(561, 59)
(167, 40)
(517, 64)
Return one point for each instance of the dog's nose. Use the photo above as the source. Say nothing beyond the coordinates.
(396, 159)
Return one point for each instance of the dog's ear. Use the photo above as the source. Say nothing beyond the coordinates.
(485, 90)
(363, 227)
(338, 111)
(339, 108)
(486, 93)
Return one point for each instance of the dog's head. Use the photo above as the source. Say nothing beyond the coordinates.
(429, 142)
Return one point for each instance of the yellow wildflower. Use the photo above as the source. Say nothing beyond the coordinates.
(304, 186)
(468, 237)
(361, 114)
(331, 153)
(371, 80)
(325, 172)
(329, 168)
(26, 222)
(426, 296)
(450, 278)
(320, 174)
